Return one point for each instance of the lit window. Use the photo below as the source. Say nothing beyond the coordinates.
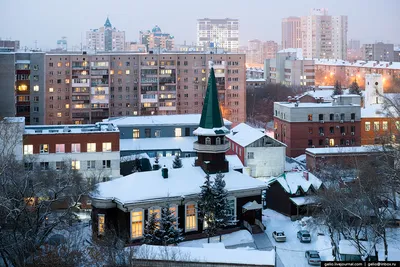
(190, 217)
(28, 149)
(309, 117)
(107, 147)
(75, 148)
(101, 220)
(66, 105)
(127, 72)
(136, 223)
(60, 148)
(331, 142)
(51, 89)
(59, 114)
(44, 149)
(367, 126)
(136, 133)
(22, 87)
(157, 211)
(91, 147)
(174, 211)
(250, 155)
(376, 125)
(76, 165)
(111, 72)
(178, 132)
(30, 201)
(385, 125)
(398, 125)
(59, 64)
(36, 88)
(66, 81)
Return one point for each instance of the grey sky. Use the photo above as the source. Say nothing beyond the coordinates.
(48, 20)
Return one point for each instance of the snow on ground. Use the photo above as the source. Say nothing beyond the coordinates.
(232, 239)
(292, 252)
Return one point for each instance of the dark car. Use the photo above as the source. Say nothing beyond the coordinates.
(313, 257)
(304, 236)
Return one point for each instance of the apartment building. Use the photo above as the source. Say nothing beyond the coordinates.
(157, 40)
(86, 88)
(9, 45)
(105, 38)
(291, 33)
(307, 125)
(221, 33)
(289, 68)
(91, 149)
(323, 35)
(378, 51)
(22, 80)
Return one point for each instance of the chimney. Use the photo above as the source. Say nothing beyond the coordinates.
(305, 175)
(164, 172)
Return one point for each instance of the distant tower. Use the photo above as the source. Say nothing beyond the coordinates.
(108, 38)
(373, 89)
(62, 44)
(211, 144)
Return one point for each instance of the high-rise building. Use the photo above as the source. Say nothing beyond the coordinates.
(9, 46)
(157, 40)
(378, 51)
(22, 80)
(257, 51)
(291, 32)
(354, 50)
(86, 88)
(221, 33)
(324, 36)
(105, 38)
(270, 48)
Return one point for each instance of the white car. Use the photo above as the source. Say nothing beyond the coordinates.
(279, 236)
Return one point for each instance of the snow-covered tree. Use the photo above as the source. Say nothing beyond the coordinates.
(156, 165)
(151, 234)
(206, 207)
(168, 232)
(177, 163)
(221, 207)
(354, 88)
(338, 89)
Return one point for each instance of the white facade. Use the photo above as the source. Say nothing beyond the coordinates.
(265, 161)
(221, 33)
(373, 89)
(324, 36)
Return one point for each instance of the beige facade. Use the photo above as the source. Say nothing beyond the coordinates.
(221, 33)
(83, 88)
(291, 32)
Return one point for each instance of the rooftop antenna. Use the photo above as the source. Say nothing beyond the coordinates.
(81, 43)
(35, 44)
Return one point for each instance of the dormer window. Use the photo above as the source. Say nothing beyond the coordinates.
(218, 141)
(208, 141)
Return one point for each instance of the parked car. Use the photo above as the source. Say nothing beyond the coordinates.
(304, 236)
(313, 257)
(279, 236)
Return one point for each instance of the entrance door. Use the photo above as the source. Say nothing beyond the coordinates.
(250, 216)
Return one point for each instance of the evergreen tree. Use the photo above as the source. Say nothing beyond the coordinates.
(151, 234)
(354, 88)
(156, 165)
(338, 88)
(221, 206)
(206, 207)
(177, 163)
(168, 231)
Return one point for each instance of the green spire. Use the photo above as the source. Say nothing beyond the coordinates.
(108, 23)
(211, 115)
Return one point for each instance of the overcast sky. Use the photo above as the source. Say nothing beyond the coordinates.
(48, 20)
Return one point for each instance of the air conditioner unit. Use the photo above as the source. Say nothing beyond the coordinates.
(341, 121)
(321, 134)
(321, 121)
(343, 133)
(326, 146)
(352, 120)
(313, 146)
(338, 126)
(352, 133)
(336, 146)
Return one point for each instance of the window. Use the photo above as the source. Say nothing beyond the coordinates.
(331, 142)
(59, 114)
(91, 147)
(28, 149)
(310, 142)
(59, 165)
(28, 166)
(231, 211)
(342, 117)
(309, 117)
(321, 130)
(310, 130)
(51, 90)
(385, 125)
(101, 223)
(76, 148)
(44, 149)
(331, 117)
(136, 223)
(107, 147)
(218, 141)
(106, 164)
(36, 88)
(60, 148)
(187, 131)
(321, 117)
(353, 116)
(376, 125)
(320, 142)
(208, 141)
(44, 166)
(250, 155)
(174, 211)
(147, 133)
(332, 130)
(76, 165)
(136, 133)
(91, 164)
(398, 125)
(157, 133)
(178, 132)
(157, 211)
(190, 217)
(367, 126)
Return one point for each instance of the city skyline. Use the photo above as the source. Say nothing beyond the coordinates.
(55, 19)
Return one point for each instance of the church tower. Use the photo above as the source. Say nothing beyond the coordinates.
(211, 144)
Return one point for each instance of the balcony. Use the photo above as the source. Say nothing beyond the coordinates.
(211, 148)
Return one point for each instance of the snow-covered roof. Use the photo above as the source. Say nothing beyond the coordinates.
(151, 186)
(185, 144)
(234, 161)
(349, 247)
(207, 255)
(292, 181)
(244, 134)
(22, 62)
(359, 63)
(158, 120)
(344, 150)
(71, 128)
(255, 80)
(373, 111)
(211, 132)
(312, 105)
(133, 157)
(300, 201)
(14, 119)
